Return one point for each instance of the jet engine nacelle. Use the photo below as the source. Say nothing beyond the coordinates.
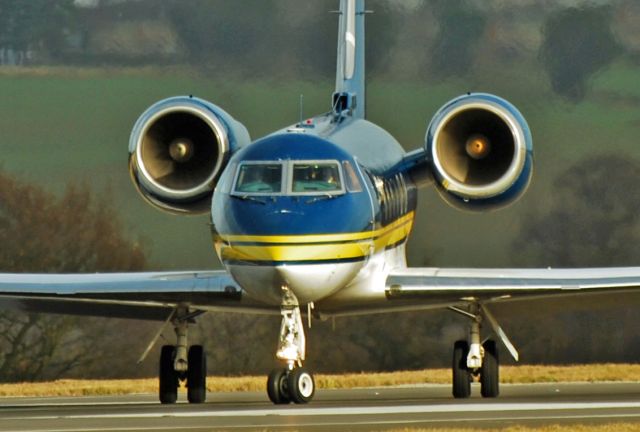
(480, 150)
(178, 149)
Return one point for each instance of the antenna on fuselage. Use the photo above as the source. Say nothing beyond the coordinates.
(349, 96)
(300, 107)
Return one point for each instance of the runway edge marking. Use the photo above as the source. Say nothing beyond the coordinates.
(308, 411)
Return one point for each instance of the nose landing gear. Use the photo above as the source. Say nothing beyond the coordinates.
(286, 385)
(293, 383)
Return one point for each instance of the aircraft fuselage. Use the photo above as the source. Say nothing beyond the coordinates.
(307, 207)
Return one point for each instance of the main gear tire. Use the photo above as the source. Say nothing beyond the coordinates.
(460, 372)
(197, 374)
(490, 372)
(168, 390)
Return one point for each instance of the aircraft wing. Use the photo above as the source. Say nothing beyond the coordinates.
(149, 295)
(439, 285)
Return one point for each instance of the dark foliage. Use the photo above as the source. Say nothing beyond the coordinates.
(32, 25)
(592, 219)
(461, 27)
(43, 233)
(577, 44)
(300, 37)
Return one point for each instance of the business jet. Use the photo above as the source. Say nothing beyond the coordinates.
(312, 221)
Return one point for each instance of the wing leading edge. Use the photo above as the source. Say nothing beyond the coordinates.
(493, 285)
(149, 295)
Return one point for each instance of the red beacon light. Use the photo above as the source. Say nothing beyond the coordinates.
(308, 123)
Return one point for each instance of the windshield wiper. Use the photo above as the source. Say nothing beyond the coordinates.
(323, 197)
(250, 198)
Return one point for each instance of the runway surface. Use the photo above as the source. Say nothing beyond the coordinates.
(357, 409)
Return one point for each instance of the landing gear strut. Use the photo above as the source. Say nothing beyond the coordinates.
(474, 358)
(179, 364)
(293, 383)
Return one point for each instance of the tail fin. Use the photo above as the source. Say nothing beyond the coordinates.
(350, 85)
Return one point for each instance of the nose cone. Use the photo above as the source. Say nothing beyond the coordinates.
(309, 282)
(314, 282)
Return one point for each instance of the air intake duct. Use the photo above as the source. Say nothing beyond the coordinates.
(480, 150)
(178, 149)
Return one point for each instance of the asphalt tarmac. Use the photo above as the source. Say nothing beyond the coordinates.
(425, 406)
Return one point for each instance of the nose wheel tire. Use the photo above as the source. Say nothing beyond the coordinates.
(302, 387)
(461, 375)
(285, 386)
(168, 391)
(489, 374)
(278, 386)
(197, 375)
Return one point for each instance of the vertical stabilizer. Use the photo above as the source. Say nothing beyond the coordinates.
(350, 88)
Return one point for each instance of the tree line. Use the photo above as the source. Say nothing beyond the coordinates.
(285, 38)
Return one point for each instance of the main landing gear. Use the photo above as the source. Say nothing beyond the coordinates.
(474, 358)
(179, 364)
(292, 383)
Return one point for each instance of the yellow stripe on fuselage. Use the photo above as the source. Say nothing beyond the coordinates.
(314, 247)
(395, 232)
(296, 253)
(319, 238)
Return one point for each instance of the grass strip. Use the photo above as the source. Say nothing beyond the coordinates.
(523, 374)
(607, 427)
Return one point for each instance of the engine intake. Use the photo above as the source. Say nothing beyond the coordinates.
(178, 149)
(480, 150)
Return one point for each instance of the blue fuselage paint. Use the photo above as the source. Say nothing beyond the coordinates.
(368, 148)
(282, 230)
(282, 214)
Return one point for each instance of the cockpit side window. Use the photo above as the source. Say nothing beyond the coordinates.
(316, 177)
(226, 181)
(351, 178)
(259, 178)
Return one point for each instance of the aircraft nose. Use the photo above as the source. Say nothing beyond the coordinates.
(313, 243)
(312, 267)
(316, 281)
(308, 282)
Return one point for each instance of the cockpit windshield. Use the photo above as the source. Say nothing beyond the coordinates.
(316, 177)
(289, 178)
(259, 178)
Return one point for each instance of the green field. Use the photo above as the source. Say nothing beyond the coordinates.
(61, 125)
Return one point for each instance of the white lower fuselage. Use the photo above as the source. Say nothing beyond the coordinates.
(327, 286)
